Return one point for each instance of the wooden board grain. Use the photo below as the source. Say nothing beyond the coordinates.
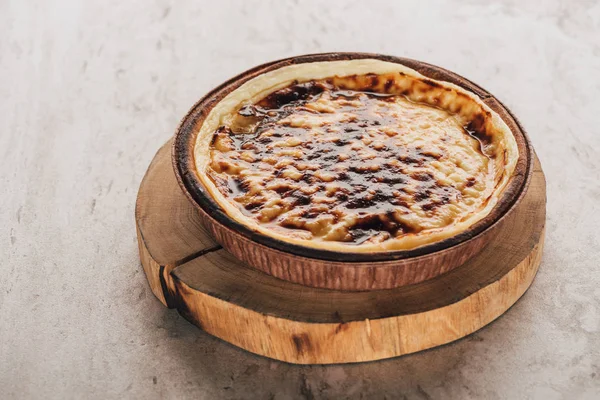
(169, 231)
(187, 270)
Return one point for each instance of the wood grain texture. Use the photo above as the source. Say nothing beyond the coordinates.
(344, 270)
(301, 324)
(169, 231)
(281, 337)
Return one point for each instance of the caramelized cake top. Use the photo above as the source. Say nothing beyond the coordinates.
(361, 162)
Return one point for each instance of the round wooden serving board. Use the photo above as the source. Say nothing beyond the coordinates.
(189, 271)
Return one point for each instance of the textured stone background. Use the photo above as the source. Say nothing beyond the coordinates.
(90, 89)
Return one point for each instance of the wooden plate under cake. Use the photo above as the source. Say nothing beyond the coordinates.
(352, 171)
(189, 271)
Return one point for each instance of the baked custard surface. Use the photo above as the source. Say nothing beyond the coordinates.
(360, 162)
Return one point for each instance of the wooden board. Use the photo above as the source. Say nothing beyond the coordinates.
(187, 270)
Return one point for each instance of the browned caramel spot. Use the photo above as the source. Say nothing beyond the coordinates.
(320, 153)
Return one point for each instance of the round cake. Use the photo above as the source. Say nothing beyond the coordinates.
(354, 156)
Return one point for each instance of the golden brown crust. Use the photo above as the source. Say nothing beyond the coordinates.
(414, 179)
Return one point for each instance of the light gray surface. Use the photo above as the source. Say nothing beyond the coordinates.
(90, 89)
